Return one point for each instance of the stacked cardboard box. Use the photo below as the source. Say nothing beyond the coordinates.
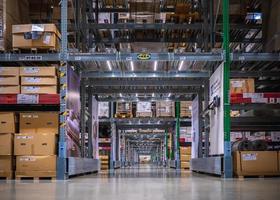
(104, 161)
(186, 109)
(256, 163)
(38, 80)
(35, 145)
(9, 80)
(103, 110)
(185, 157)
(36, 36)
(144, 109)
(124, 110)
(7, 130)
(242, 86)
(165, 109)
(267, 97)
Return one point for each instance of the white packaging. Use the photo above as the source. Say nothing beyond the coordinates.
(275, 136)
(144, 106)
(103, 109)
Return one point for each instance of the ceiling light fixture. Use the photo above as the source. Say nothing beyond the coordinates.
(181, 65)
(132, 66)
(169, 95)
(155, 65)
(120, 94)
(109, 65)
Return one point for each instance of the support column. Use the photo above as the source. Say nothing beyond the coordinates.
(90, 144)
(166, 147)
(226, 80)
(206, 119)
(177, 136)
(62, 172)
(200, 129)
(83, 119)
(113, 137)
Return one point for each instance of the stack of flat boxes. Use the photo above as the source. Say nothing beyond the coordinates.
(185, 157)
(38, 80)
(35, 145)
(165, 109)
(7, 130)
(185, 109)
(104, 160)
(124, 110)
(9, 80)
(144, 109)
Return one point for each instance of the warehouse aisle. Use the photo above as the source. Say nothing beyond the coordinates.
(158, 185)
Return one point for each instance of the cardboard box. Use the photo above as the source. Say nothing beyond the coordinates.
(9, 80)
(47, 36)
(35, 163)
(185, 157)
(103, 109)
(185, 165)
(9, 71)
(7, 122)
(104, 157)
(38, 81)
(39, 122)
(186, 150)
(279, 161)
(6, 163)
(35, 144)
(43, 89)
(182, 8)
(57, 13)
(6, 143)
(38, 71)
(254, 163)
(10, 89)
(242, 86)
(165, 109)
(186, 109)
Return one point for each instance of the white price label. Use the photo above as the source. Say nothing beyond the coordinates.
(27, 99)
(249, 156)
(38, 27)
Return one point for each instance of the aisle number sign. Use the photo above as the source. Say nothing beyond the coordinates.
(143, 56)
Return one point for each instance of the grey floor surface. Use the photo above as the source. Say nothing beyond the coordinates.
(143, 183)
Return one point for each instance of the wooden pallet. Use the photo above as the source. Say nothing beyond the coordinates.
(144, 114)
(124, 115)
(185, 168)
(258, 176)
(36, 175)
(6, 175)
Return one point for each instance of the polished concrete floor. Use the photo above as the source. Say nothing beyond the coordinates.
(145, 183)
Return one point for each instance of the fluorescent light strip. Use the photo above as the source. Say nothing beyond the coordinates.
(132, 66)
(169, 95)
(181, 65)
(109, 65)
(155, 65)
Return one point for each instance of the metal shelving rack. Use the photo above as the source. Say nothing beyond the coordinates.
(65, 58)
